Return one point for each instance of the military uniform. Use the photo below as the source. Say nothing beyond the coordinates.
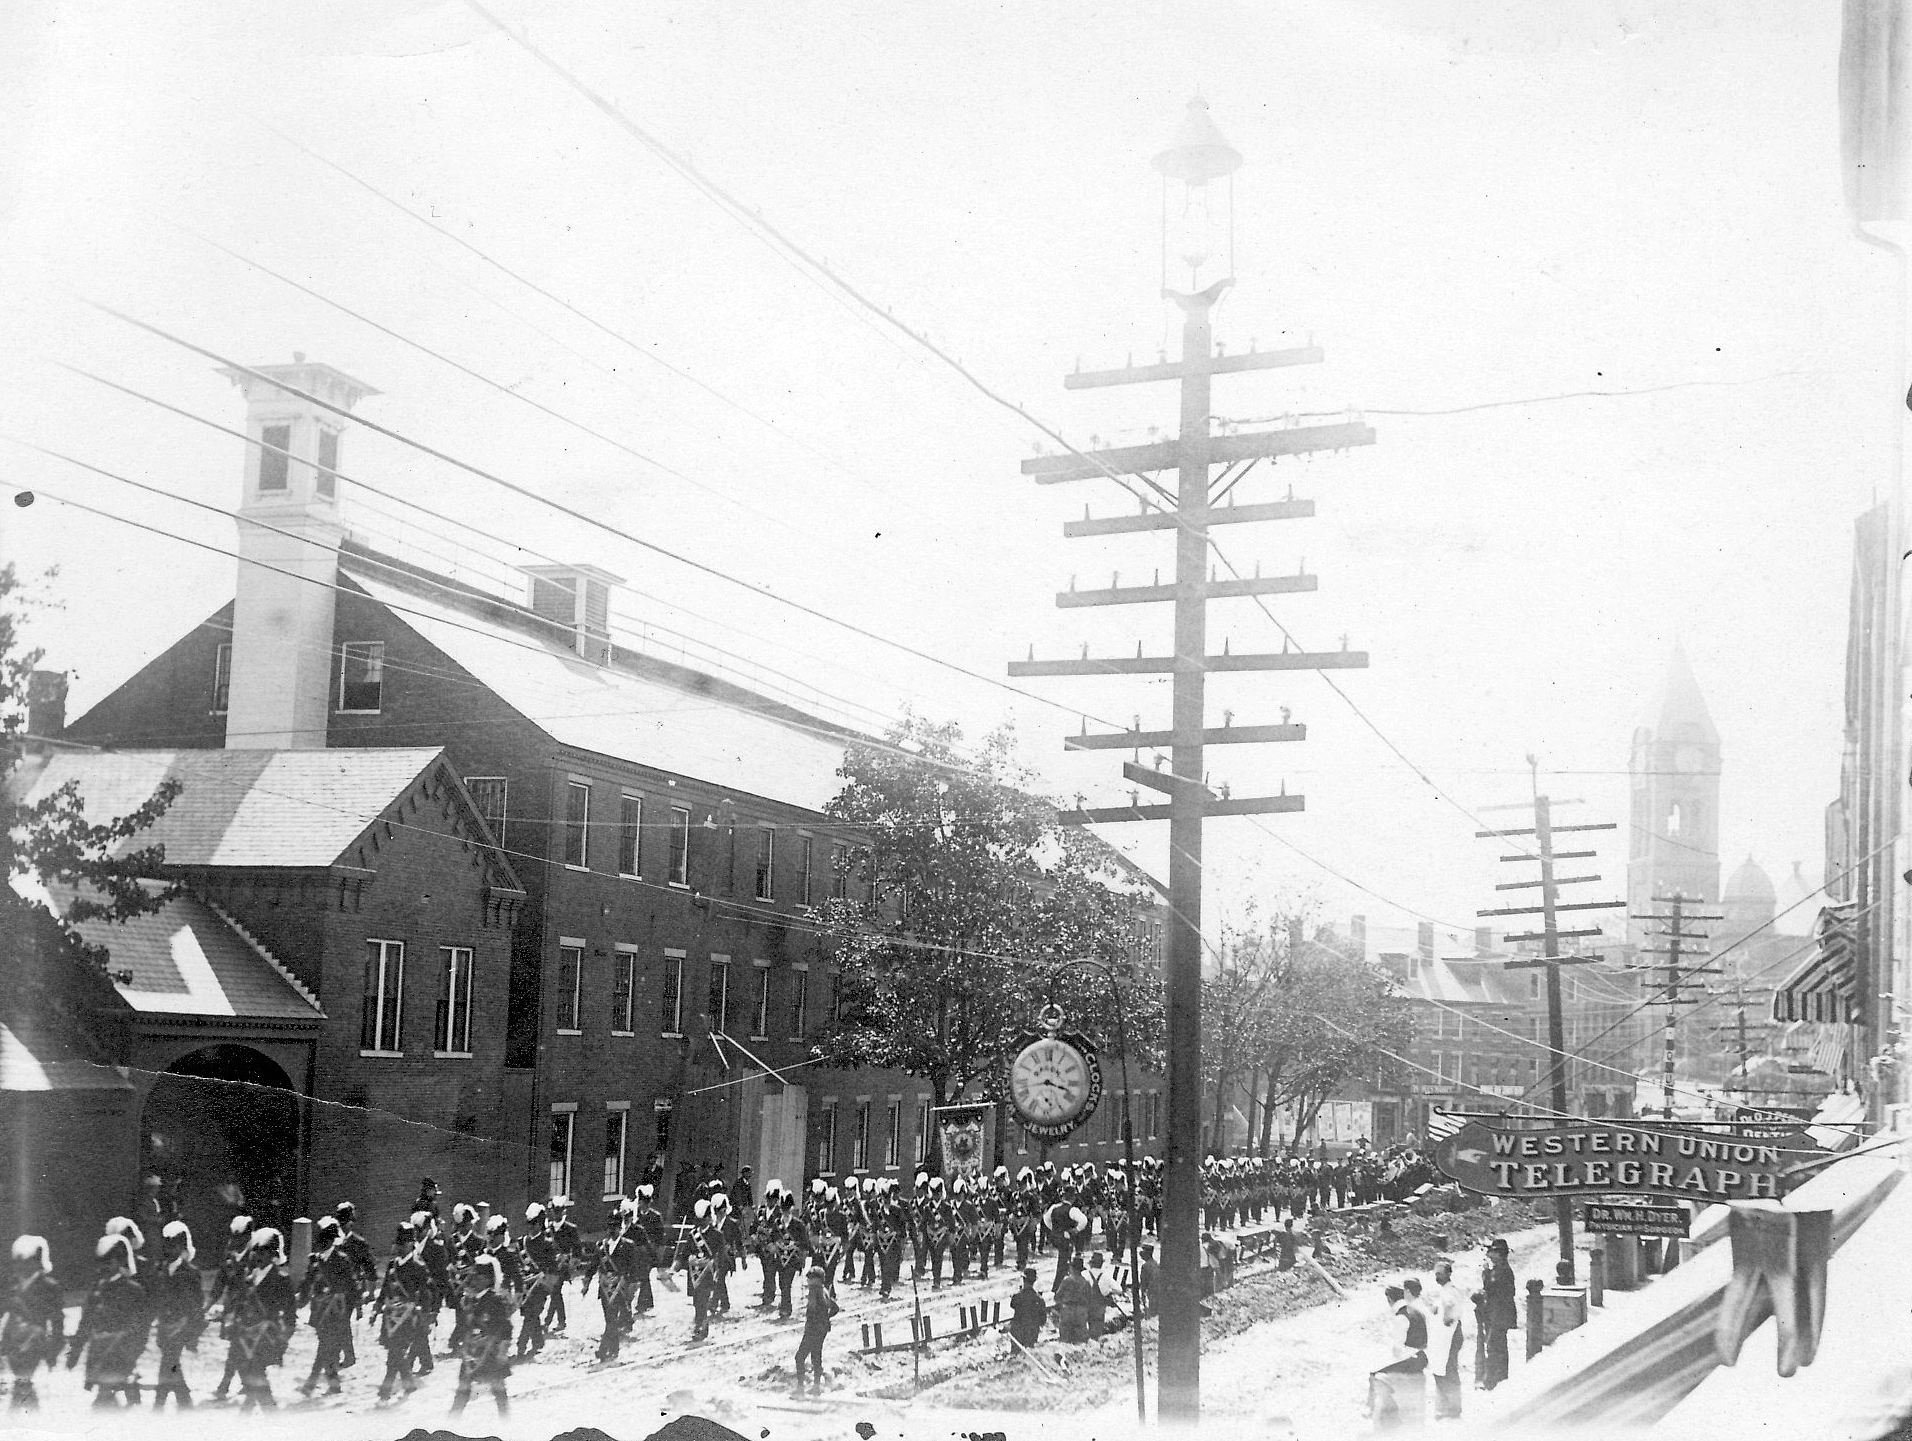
(32, 1320)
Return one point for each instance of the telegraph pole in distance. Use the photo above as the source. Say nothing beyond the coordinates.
(1671, 984)
(1199, 157)
(1550, 936)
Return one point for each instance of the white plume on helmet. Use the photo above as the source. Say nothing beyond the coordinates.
(700, 1210)
(421, 1221)
(488, 1266)
(464, 1212)
(497, 1226)
(178, 1231)
(121, 1226)
(534, 1212)
(645, 1192)
(111, 1245)
(240, 1226)
(269, 1236)
(33, 1248)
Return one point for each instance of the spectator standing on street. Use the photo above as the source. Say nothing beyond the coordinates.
(1449, 1307)
(1027, 1311)
(1500, 1313)
(1073, 1299)
(1147, 1282)
(818, 1307)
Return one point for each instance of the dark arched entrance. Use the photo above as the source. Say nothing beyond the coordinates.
(223, 1124)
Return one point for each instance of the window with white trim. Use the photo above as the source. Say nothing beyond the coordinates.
(760, 1005)
(384, 997)
(661, 1122)
(671, 1013)
(799, 1001)
(362, 676)
(806, 858)
(922, 1129)
(766, 863)
(623, 991)
(839, 873)
(577, 824)
(893, 1140)
(617, 1116)
(452, 1033)
(275, 467)
(222, 680)
(826, 1139)
(720, 993)
(488, 794)
(680, 846)
(564, 1115)
(860, 1138)
(570, 986)
(630, 835)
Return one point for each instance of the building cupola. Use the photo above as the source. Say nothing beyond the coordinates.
(280, 669)
(577, 598)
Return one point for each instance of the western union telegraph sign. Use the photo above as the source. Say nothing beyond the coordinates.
(1621, 1157)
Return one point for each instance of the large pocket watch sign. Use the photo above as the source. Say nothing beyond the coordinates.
(1054, 1079)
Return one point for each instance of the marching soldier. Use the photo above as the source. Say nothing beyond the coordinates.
(231, 1267)
(699, 1255)
(435, 1256)
(406, 1299)
(179, 1312)
(939, 1229)
(261, 1311)
(886, 1238)
(112, 1329)
(566, 1241)
(615, 1268)
(1023, 1222)
(652, 1248)
(731, 1233)
(32, 1319)
(499, 1247)
(331, 1288)
(462, 1249)
(485, 1349)
(364, 1261)
(831, 1230)
(537, 1278)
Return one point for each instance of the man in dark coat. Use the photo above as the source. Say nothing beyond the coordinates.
(178, 1299)
(406, 1299)
(112, 1329)
(261, 1311)
(331, 1288)
(32, 1319)
(484, 1351)
(1027, 1312)
(1500, 1313)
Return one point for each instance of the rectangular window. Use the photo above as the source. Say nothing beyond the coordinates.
(384, 991)
(616, 1123)
(362, 676)
(860, 1138)
(766, 863)
(799, 1002)
(893, 1140)
(826, 1140)
(922, 1129)
(720, 993)
(222, 680)
(577, 824)
(661, 1114)
(274, 468)
(672, 1011)
(570, 985)
(680, 846)
(563, 1122)
(328, 479)
(836, 997)
(760, 1007)
(806, 857)
(1022, 1141)
(453, 1031)
(623, 992)
(488, 794)
(630, 829)
(839, 873)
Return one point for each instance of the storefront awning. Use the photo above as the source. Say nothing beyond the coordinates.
(1824, 988)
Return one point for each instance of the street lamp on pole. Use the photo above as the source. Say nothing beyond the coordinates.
(1128, 1162)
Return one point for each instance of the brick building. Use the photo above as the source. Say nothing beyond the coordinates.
(319, 1015)
(663, 985)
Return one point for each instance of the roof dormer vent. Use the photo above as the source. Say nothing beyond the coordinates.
(577, 597)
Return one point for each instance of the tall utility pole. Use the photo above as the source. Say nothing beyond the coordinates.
(1199, 156)
(1550, 936)
(1736, 1034)
(1669, 981)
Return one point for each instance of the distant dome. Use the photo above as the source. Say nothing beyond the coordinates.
(1750, 886)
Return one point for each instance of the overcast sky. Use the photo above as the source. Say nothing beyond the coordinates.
(1463, 203)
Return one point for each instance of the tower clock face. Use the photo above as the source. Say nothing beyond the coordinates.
(1054, 1084)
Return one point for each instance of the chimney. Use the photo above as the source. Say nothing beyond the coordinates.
(1483, 940)
(578, 598)
(1424, 941)
(46, 704)
(1358, 935)
(282, 669)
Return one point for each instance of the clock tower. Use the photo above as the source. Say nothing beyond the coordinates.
(1674, 829)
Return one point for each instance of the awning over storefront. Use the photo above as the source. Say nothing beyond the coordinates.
(1825, 988)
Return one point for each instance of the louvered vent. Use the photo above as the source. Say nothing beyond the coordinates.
(577, 597)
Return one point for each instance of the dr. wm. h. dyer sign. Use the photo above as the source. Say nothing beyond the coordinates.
(1620, 1157)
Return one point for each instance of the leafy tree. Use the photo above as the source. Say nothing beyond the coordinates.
(966, 895)
(49, 975)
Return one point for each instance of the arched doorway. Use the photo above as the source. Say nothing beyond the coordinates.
(223, 1125)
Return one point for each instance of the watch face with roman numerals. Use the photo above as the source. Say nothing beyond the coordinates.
(1054, 1082)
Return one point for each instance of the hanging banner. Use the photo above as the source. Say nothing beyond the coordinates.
(964, 1131)
(1636, 1158)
